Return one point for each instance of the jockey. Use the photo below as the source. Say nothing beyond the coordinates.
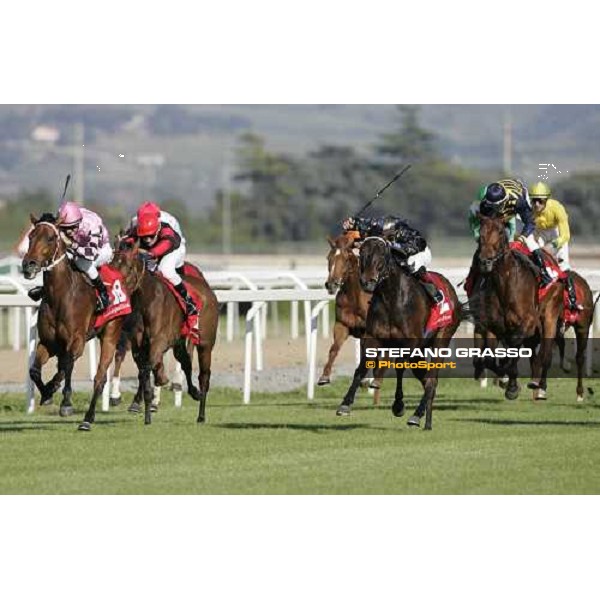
(552, 228)
(507, 198)
(405, 241)
(162, 242)
(88, 247)
(475, 222)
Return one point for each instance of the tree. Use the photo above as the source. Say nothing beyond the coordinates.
(411, 143)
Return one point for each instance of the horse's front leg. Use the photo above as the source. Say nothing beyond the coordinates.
(428, 380)
(107, 352)
(42, 356)
(359, 374)
(340, 335)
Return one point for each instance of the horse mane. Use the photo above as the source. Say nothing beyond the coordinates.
(526, 262)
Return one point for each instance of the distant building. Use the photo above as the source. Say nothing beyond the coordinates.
(46, 134)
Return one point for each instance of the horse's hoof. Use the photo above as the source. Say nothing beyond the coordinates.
(501, 382)
(324, 381)
(134, 407)
(540, 394)
(114, 401)
(533, 385)
(511, 394)
(153, 408)
(46, 401)
(201, 420)
(84, 426)
(397, 411)
(65, 411)
(483, 382)
(374, 385)
(579, 398)
(365, 383)
(414, 421)
(195, 394)
(343, 410)
(566, 367)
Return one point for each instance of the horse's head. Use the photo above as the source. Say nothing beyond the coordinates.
(339, 260)
(374, 259)
(493, 242)
(127, 260)
(46, 247)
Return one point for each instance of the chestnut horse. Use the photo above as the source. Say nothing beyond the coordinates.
(159, 329)
(351, 301)
(397, 317)
(66, 318)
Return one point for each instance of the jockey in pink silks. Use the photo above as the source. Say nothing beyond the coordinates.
(88, 246)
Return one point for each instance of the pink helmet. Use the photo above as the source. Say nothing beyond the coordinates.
(69, 214)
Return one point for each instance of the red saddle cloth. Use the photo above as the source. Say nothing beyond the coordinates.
(187, 328)
(120, 303)
(557, 274)
(442, 314)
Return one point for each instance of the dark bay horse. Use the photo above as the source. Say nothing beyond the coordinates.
(397, 317)
(159, 329)
(66, 317)
(508, 309)
(351, 301)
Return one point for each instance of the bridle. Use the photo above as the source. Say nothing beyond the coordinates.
(487, 264)
(54, 261)
(385, 271)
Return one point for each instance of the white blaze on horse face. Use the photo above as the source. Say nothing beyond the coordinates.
(337, 253)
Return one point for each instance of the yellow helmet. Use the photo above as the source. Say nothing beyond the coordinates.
(540, 190)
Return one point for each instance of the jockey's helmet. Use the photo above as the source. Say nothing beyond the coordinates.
(148, 225)
(540, 190)
(388, 226)
(149, 207)
(69, 215)
(495, 193)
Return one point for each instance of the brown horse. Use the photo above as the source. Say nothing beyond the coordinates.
(351, 301)
(397, 317)
(581, 328)
(508, 309)
(159, 329)
(66, 317)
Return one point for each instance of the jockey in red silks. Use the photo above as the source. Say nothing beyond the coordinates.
(88, 246)
(163, 246)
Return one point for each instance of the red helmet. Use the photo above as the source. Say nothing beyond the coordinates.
(147, 208)
(148, 219)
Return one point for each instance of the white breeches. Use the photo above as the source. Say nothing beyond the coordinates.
(531, 244)
(546, 236)
(422, 259)
(89, 267)
(170, 262)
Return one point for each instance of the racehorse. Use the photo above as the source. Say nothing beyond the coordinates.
(581, 327)
(159, 329)
(351, 301)
(508, 308)
(398, 317)
(66, 317)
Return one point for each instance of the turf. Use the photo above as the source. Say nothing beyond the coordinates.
(280, 444)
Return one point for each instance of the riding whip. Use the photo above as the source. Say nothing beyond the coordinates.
(66, 186)
(385, 187)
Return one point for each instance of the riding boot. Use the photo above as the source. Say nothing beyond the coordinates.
(573, 305)
(190, 308)
(103, 299)
(538, 260)
(430, 288)
(36, 293)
